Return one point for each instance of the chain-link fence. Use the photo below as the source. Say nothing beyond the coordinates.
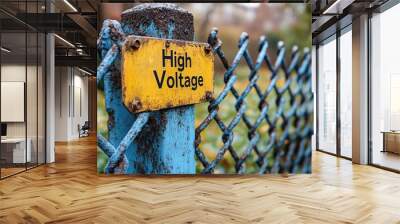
(278, 136)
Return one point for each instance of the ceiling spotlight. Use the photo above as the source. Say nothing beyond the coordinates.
(80, 51)
(84, 71)
(70, 5)
(337, 7)
(5, 50)
(65, 41)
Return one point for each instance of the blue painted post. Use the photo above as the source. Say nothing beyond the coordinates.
(166, 143)
(120, 119)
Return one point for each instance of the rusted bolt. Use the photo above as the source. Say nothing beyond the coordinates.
(167, 44)
(207, 49)
(133, 44)
(209, 95)
(136, 44)
(135, 105)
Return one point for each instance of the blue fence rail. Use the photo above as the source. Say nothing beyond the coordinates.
(289, 126)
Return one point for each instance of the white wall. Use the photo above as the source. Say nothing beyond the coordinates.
(71, 102)
(62, 81)
(80, 110)
(33, 126)
(12, 73)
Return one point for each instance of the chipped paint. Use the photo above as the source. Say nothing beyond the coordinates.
(165, 144)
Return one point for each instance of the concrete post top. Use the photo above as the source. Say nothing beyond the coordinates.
(152, 6)
(163, 20)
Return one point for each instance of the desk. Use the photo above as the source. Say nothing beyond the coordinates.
(13, 150)
(391, 141)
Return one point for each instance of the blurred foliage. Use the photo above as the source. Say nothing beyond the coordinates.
(299, 33)
(290, 23)
(102, 118)
(212, 135)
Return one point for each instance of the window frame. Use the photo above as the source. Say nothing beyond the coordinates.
(333, 37)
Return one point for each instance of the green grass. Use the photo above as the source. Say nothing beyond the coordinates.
(102, 118)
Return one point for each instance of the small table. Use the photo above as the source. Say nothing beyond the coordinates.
(391, 141)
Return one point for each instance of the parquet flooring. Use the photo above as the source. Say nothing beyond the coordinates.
(70, 191)
(10, 171)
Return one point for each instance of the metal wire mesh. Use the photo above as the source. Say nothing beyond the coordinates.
(289, 127)
(285, 109)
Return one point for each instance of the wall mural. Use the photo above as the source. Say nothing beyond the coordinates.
(204, 89)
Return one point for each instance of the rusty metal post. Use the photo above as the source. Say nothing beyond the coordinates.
(166, 143)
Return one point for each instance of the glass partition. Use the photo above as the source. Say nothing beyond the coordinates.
(13, 94)
(385, 89)
(41, 96)
(314, 90)
(346, 93)
(22, 77)
(327, 96)
(31, 98)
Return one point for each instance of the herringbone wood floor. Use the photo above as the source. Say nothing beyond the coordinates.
(70, 191)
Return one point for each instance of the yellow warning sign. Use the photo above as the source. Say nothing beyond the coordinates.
(162, 73)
